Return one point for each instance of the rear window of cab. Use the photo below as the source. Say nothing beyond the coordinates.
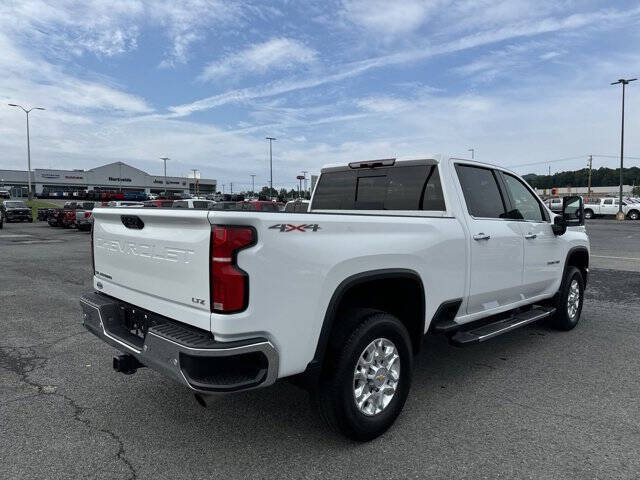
(415, 187)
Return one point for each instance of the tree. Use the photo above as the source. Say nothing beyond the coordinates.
(636, 191)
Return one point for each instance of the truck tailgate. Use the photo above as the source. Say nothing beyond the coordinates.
(160, 253)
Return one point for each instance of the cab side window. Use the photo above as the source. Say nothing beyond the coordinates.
(523, 200)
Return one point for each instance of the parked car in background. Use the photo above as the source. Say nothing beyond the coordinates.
(554, 204)
(79, 205)
(611, 206)
(43, 214)
(5, 193)
(1, 220)
(55, 217)
(227, 206)
(260, 206)
(16, 211)
(84, 220)
(297, 206)
(69, 218)
(197, 203)
(124, 203)
(158, 203)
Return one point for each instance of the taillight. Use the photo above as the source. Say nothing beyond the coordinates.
(87, 214)
(229, 284)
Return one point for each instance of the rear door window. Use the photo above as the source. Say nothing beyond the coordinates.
(481, 192)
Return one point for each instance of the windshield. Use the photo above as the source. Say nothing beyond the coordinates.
(15, 204)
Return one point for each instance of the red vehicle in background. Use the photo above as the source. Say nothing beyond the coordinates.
(261, 206)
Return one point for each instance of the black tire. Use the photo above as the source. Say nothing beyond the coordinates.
(562, 319)
(588, 213)
(335, 394)
(634, 215)
(30, 220)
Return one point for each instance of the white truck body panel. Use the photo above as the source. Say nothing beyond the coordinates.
(294, 274)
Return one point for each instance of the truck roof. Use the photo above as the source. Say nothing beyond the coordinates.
(432, 159)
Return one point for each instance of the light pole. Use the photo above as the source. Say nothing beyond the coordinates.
(195, 181)
(253, 184)
(304, 172)
(620, 214)
(164, 159)
(271, 139)
(473, 153)
(25, 110)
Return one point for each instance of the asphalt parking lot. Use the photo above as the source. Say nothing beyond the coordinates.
(535, 403)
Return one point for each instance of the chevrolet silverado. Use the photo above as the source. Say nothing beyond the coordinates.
(338, 298)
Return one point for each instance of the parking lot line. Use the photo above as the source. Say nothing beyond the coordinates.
(616, 258)
(14, 235)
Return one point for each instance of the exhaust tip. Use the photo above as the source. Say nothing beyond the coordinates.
(200, 399)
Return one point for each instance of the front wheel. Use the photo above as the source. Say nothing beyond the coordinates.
(588, 214)
(634, 215)
(569, 300)
(367, 377)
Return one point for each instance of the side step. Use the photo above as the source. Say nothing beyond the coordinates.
(485, 332)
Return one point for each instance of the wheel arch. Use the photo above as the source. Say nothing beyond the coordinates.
(578, 257)
(352, 288)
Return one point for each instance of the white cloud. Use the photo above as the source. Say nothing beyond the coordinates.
(383, 17)
(274, 54)
(111, 27)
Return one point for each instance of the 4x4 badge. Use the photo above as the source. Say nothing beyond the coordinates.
(287, 227)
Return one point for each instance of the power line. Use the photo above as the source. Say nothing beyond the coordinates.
(565, 159)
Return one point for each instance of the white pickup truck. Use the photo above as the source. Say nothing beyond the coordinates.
(611, 206)
(338, 298)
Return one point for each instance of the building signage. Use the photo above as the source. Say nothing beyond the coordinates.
(49, 175)
(74, 177)
(169, 182)
(118, 179)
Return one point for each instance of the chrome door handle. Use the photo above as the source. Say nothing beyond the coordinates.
(530, 236)
(481, 236)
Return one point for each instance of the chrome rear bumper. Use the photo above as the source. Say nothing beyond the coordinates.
(188, 355)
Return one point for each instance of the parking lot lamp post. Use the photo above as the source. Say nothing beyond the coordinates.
(271, 139)
(253, 184)
(164, 159)
(624, 82)
(473, 153)
(25, 110)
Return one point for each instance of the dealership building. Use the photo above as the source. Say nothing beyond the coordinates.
(113, 177)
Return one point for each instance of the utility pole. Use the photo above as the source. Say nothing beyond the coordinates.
(253, 184)
(620, 215)
(304, 172)
(164, 159)
(231, 187)
(27, 110)
(271, 139)
(223, 185)
(590, 168)
(473, 153)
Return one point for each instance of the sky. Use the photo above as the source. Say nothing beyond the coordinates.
(523, 82)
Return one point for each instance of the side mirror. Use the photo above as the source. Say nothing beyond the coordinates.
(559, 226)
(573, 211)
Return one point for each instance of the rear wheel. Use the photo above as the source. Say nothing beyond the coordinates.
(588, 213)
(569, 300)
(634, 215)
(367, 376)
